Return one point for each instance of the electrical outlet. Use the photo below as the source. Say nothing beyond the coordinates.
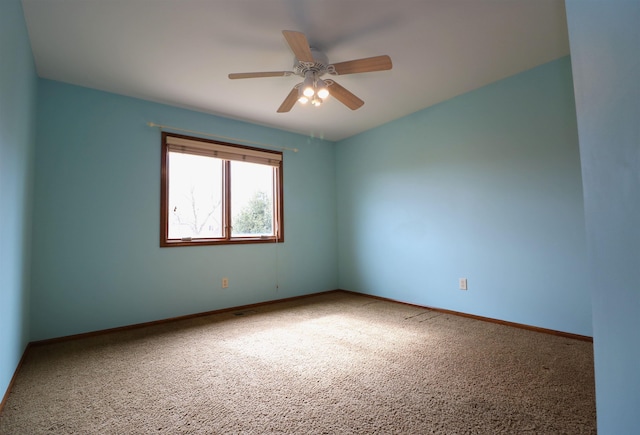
(463, 283)
(225, 282)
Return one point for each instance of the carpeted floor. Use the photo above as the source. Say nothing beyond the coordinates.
(336, 363)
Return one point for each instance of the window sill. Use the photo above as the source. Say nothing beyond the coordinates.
(209, 242)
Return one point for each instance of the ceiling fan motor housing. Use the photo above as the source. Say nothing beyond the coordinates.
(319, 66)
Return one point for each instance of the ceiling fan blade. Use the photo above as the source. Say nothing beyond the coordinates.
(369, 64)
(289, 102)
(253, 75)
(344, 96)
(299, 45)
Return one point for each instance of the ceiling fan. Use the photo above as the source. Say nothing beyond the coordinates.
(311, 65)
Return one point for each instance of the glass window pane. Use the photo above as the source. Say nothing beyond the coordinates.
(195, 196)
(251, 199)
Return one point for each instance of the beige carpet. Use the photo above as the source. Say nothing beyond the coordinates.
(334, 363)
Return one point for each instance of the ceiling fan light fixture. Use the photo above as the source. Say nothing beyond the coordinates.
(321, 89)
(302, 98)
(307, 84)
(316, 101)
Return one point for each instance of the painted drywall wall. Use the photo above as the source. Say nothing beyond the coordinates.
(18, 85)
(484, 186)
(97, 260)
(605, 47)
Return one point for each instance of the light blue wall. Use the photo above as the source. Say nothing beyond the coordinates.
(485, 186)
(97, 260)
(18, 84)
(605, 46)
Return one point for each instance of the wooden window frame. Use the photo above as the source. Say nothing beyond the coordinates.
(226, 239)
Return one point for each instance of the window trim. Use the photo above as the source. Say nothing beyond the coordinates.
(227, 239)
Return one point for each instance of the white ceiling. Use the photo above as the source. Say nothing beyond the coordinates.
(179, 52)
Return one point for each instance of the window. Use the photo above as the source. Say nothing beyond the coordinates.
(219, 193)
